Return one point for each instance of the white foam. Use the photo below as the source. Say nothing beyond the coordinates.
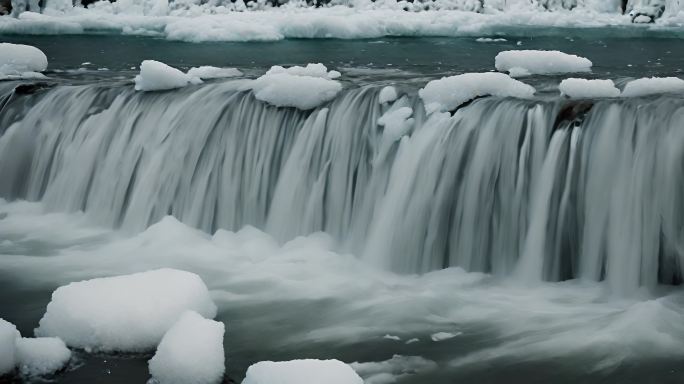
(21, 61)
(583, 88)
(531, 62)
(653, 85)
(41, 356)
(124, 313)
(448, 93)
(300, 372)
(157, 76)
(190, 352)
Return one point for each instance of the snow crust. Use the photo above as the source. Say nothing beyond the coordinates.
(124, 313)
(387, 94)
(583, 88)
(300, 87)
(157, 76)
(8, 337)
(653, 85)
(209, 72)
(307, 371)
(448, 93)
(41, 356)
(191, 352)
(531, 62)
(21, 61)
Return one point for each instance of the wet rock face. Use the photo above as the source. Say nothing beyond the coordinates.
(647, 11)
(5, 7)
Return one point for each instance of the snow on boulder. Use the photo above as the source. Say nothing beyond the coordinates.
(21, 61)
(124, 313)
(157, 76)
(653, 85)
(583, 88)
(41, 356)
(530, 62)
(191, 352)
(208, 72)
(447, 93)
(299, 87)
(387, 94)
(8, 338)
(301, 372)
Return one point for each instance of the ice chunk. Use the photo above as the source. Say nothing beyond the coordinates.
(448, 93)
(124, 313)
(653, 85)
(190, 352)
(208, 72)
(441, 336)
(8, 338)
(390, 371)
(387, 94)
(583, 88)
(490, 40)
(392, 337)
(157, 76)
(530, 62)
(301, 372)
(299, 87)
(42, 355)
(21, 61)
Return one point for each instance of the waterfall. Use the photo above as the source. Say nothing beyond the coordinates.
(537, 189)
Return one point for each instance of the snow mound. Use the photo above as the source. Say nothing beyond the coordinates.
(530, 62)
(583, 88)
(157, 76)
(21, 61)
(653, 85)
(299, 87)
(124, 313)
(8, 338)
(41, 356)
(190, 352)
(301, 372)
(448, 93)
(387, 94)
(209, 72)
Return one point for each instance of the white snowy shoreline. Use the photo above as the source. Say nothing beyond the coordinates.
(199, 24)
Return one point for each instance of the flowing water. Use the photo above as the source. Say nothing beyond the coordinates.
(546, 234)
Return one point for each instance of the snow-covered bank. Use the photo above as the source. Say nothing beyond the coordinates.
(198, 24)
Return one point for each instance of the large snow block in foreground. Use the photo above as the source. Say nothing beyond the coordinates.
(157, 76)
(18, 60)
(301, 372)
(653, 85)
(8, 337)
(191, 352)
(124, 313)
(448, 93)
(530, 62)
(583, 88)
(41, 356)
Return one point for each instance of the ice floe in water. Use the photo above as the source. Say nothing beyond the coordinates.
(157, 76)
(190, 352)
(209, 72)
(299, 87)
(448, 93)
(41, 356)
(392, 370)
(301, 372)
(124, 313)
(21, 61)
(531, 62)
(653, 85)
(583, 88)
